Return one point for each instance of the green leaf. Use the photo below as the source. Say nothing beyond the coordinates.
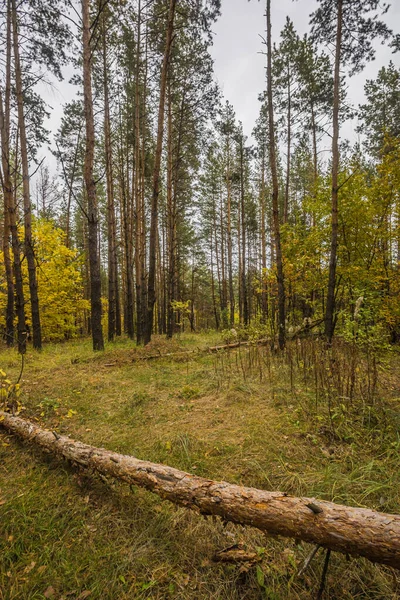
(260, 577)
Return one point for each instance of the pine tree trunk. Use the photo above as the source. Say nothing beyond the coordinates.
(217, 261)
(126, 244)
(143, 249)
(151, 291)
(170, 226)
(229, 242)
(289, 147)
(90, 185)
(224, 291)
(243, 223)
(111, 229)
(139, 216)
(215, 310)
(275, 190)
(28, 240)
(330, 298)
(7, 189)
(9, 331)
(264, 294)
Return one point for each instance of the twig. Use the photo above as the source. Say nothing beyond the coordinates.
(308, 560)
(323, 576)
(22, 368)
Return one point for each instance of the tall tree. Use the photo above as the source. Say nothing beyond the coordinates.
(28, 245)
(351, 27)
(314, 94)
(151, 290)
(286, 93)
(111, 224)
(90, 183)
(10, 220)
(275, 188)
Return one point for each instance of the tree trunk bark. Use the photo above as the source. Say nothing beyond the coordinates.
(243, 223)
(7, 189)
(264, 294)
(90, 184)
(330, 298)
(223, 286)
(229, 239)
(352, 531)
(139, 216)
(214, 300)
(151, 291)
(111, 230)
(289, 146)
(28, 241)
(171, 226)
(9, 331)
(275, 190)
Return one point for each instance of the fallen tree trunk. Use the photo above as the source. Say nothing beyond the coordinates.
(353, 531)
(230, 346)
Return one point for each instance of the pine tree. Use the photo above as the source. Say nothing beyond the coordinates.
(380, 115)
(351, 27)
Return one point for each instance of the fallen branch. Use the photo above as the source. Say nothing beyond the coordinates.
(231, 346)
(350, 530)
(308, 560)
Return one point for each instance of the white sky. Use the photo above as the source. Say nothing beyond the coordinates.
(240, 68)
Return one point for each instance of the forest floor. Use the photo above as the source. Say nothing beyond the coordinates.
(245, 416)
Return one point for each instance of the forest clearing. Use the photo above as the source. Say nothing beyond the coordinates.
(199, 299)
(245, 416)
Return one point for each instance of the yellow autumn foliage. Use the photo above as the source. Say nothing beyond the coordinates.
(60, 285)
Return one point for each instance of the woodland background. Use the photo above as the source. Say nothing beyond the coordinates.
(162, 216)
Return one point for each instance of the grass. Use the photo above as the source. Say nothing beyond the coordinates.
(245, 416)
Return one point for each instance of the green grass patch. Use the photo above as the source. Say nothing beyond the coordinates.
(245, 416)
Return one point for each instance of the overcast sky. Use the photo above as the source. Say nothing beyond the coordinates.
(240, 68)
(238, 64)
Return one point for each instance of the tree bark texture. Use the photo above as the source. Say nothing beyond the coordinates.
(353, 531)
(28, 241)
(151, 289)
(246, 316)
(9, 201)
(330, 298)
(111, 226)
(275, 189)
(140, 217)
(90, 185)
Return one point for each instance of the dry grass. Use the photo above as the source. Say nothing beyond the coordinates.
(246, 416)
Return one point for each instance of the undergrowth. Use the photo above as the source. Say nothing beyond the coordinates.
(313, 421)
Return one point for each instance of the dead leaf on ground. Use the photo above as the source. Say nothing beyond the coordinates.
(41, 569)
(84, 594)
(50, 592)
(29, 568)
